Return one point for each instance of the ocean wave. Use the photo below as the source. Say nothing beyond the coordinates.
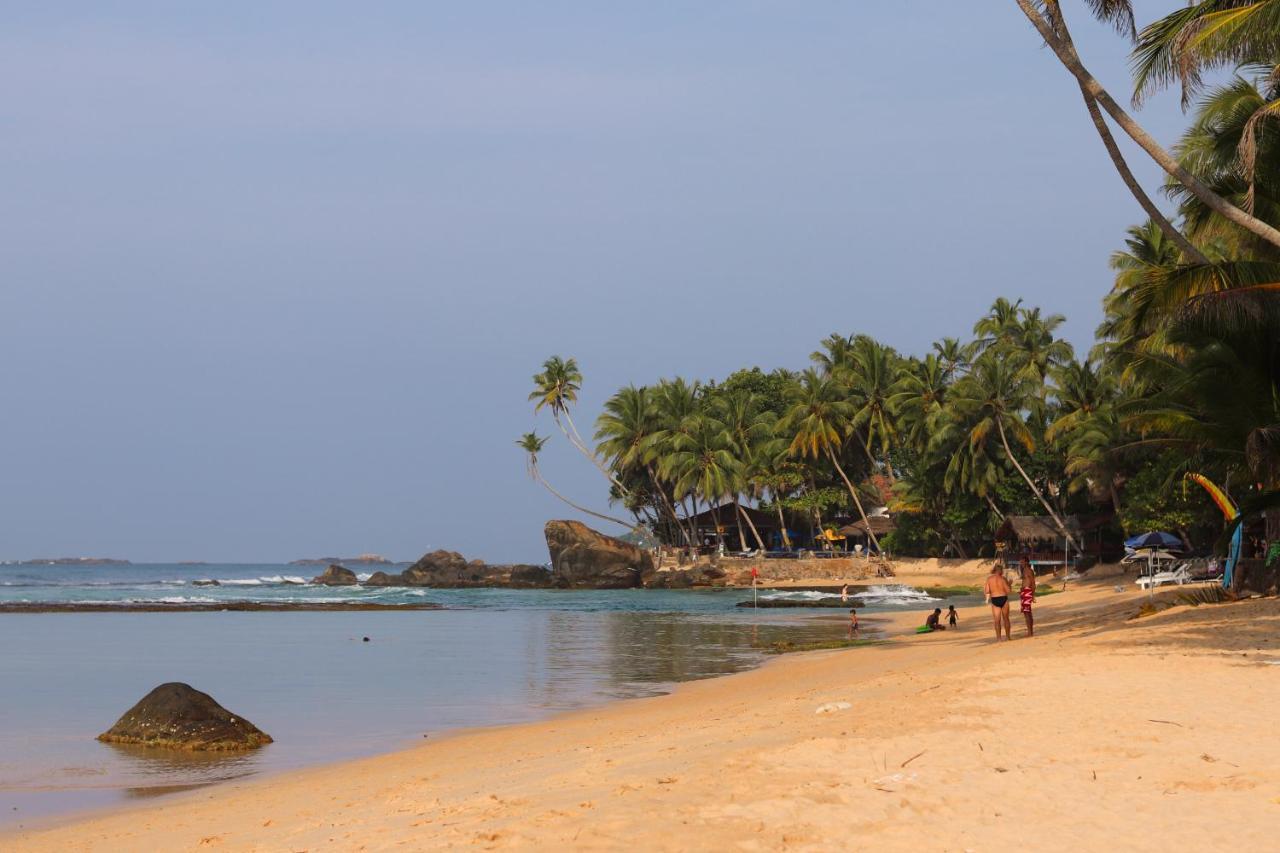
(896, 593)
(798, 595)
(363, 576)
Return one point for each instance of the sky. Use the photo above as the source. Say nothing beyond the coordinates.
(274, 277)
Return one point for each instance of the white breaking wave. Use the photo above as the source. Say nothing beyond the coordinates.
(896, 593)
(798, 595)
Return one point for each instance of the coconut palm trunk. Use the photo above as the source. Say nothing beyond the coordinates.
(782, 523)
(576, 440)
(1122, 166)
(755, 533)
(856, 500)
(991, 503)
(1035, 490)
(1067, 55)
(666, 502)
(538, 476)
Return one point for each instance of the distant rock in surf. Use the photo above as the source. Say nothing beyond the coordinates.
(336, 575)
(362, 560)
(384, 579)
(177, 716)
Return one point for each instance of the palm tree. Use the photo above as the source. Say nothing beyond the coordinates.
(623, 432)
(818, 421)
(1081, 392)
(1066, 54)
(556, 388)
(999, 326)
(1120, 14)
(532, 444)
(1202, 36)
(1093, 454)
(1036, 343)
(918, 395)
(702, 462)
(953, 357)
(994, 396)
(869, 378)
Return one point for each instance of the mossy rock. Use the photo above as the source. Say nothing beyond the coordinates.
(177, 716)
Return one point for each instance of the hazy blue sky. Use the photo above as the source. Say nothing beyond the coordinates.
(275, 275)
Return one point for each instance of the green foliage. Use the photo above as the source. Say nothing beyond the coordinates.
(1156, 499)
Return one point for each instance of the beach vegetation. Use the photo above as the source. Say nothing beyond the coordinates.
(1183, 374)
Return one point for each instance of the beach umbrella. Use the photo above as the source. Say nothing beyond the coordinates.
(1152, 542)
(1154, 539)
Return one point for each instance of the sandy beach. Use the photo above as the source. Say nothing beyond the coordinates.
(1103, 732)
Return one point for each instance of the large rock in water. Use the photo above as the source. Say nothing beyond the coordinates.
(177, 716)
(336, 575)
(451, 569)
(583, 558)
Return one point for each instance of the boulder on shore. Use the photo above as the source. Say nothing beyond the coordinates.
(336, 575)
(583, 558)
(177, 716)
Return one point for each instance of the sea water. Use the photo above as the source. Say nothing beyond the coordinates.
(311, 681)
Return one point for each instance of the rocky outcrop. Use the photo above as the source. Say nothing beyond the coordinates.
(686, 578)
(584, 559)
(449, 569)
(177, 716)
(336, 575)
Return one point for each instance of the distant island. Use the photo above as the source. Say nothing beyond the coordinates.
(73, 561)
(362, 560)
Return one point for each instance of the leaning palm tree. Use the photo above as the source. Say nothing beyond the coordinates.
(556, 388)
(818, 421)
(993, 398)
(532, 444)
(1066, 53)
(1118, 13)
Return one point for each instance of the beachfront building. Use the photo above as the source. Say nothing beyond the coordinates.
(880, 523)
(1038, 538)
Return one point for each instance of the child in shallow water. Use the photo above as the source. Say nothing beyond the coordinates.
(853, 623)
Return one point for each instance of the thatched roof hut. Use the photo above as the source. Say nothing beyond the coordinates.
(880, 525)
(1032, 528)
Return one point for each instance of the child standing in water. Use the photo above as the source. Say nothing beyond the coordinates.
(853, 623)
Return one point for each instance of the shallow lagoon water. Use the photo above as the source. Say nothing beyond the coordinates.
(308, 679)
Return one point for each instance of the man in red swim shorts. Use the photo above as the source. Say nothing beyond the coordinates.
(1028, 594)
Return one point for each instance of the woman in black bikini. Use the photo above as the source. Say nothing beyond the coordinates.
(997, 591)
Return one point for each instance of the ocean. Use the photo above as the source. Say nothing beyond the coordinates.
(309, 679)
